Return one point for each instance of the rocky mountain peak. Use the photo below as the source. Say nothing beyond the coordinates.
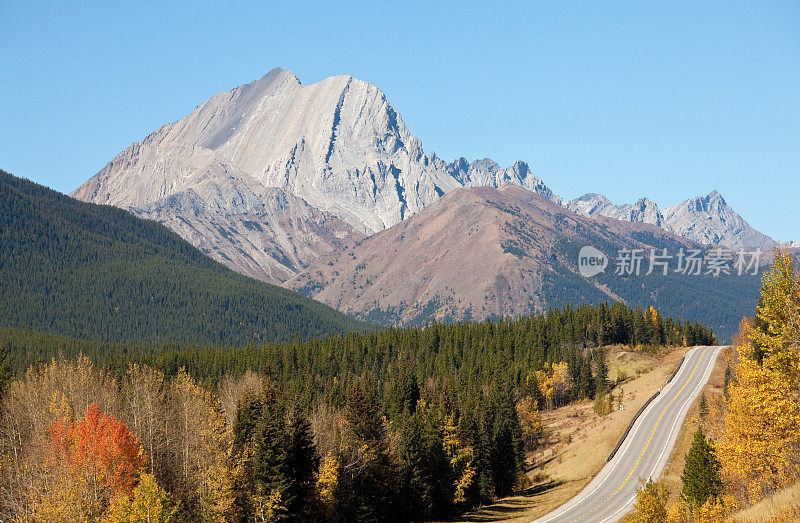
(643, 211)
(712, 202)
(711, 221)
(336, 145)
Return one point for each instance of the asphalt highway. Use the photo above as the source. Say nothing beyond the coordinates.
(645, 451)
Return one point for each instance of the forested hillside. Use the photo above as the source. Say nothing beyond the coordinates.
(394, 425)
(98, 272)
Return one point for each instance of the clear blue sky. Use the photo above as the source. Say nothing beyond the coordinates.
(660, 99)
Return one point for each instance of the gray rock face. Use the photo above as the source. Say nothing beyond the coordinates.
(710, 220)
(337, 145)
(643, 211)
(487, 173)
(279, 236)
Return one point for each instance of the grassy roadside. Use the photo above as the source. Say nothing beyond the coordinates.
(579, 440)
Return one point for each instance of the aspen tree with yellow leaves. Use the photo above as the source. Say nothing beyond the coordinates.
(760, 450)
(650, 505)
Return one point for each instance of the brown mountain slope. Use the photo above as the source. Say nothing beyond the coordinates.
(477, 253)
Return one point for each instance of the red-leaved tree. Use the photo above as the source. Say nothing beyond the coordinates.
(98, 449)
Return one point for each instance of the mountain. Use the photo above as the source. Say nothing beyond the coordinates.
(710, 220)
(484, 252)
(707, 220)
(337, 145)
(279, 180)
(98, 272)
(643, 211)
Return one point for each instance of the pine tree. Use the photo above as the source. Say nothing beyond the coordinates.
(703, 406)
(270, 471)
(302, 465)
(248, 413)
(601, 374)
(368, 480)
(6, 372)
(701, 474)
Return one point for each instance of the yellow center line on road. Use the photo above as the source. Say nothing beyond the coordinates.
(636, 465)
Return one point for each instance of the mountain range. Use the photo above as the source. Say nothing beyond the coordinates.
(485, 253)
(293, 184)
(707, 220)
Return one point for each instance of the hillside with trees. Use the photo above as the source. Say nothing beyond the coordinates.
(418, 423)
(98, 272)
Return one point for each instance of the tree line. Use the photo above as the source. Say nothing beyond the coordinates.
(400, 424)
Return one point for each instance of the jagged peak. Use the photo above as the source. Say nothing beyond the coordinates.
(277, 72)
(521, 168)
(645, 202)
(715, 196)
(591, 196)
(707, 203)
(486, 164)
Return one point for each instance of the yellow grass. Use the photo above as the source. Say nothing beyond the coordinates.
(784, 505)
(580, 441)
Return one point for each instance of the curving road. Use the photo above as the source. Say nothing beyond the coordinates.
(646, 449)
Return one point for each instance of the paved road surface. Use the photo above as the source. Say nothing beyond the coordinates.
(645, 451)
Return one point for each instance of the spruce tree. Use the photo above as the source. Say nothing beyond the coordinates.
(701, 474)
(703, 407)
(6, 372)
(369, 474)
(302, 464)
(271, 480)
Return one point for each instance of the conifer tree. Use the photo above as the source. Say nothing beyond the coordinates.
(6, 369)
(269, 462)
(703, 406)
(701, 474)
(368, 474)
(302, 465)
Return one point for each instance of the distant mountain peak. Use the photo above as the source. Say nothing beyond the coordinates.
(712, 201)
(643, 211)
(711, 221)
(705, 219)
